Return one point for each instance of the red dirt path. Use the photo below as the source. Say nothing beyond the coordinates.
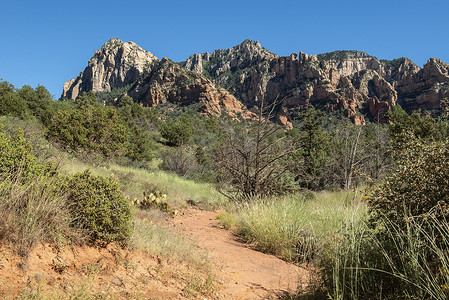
(243, 272)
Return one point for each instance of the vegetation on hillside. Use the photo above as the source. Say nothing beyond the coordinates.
(367, 204)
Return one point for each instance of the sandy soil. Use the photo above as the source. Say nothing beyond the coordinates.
(92, 273)
(243, 273)
(113, 273)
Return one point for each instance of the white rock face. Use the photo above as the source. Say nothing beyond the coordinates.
(115, 65)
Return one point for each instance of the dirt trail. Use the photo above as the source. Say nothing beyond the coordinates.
(242, 272)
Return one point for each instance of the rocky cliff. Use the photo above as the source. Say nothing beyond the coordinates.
(115, 65)
(168, 81)
(425, 88)
(236, 79)
(150, 81)
(352, 82)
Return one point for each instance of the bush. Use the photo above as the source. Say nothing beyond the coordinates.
(406, 245)
(99, 208)
(176, 133)
(32, 206)
(180, 160)
(90, 128)
(420, 184)
(140, 146)
(16, 156)
(11, 103)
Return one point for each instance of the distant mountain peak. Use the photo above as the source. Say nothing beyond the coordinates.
(349, 81)
(250, 43)
(116, 64)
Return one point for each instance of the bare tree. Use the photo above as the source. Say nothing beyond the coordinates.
(347, 155)
(256, 157)
(359, 153)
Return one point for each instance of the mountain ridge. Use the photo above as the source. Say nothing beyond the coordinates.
(353, 82)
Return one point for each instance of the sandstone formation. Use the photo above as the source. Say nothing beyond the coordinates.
(426, 88)
(150, 81)
(168, 81)
(352, 83)
(115, 65)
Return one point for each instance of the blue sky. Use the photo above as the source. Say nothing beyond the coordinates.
(50, 42)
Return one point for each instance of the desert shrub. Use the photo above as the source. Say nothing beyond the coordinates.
(176, 132)
(31, 202)
(399, 263)
(404, 243)
(180, 160)
(11, 103)
(16, 156)
(420, 184)
(39, 102)
(401, 207)
(423, 127)
(99, 208)
(140, 146)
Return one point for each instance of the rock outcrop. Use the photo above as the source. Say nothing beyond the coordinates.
(150, 81)
(349, 81)
(168, 81)
(352, 82)
(236, 79)
(426, 88)
(115, 65)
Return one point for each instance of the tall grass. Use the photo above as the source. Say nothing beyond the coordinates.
(356, 260)
(31, 211)
(390, 262)
(294, 227)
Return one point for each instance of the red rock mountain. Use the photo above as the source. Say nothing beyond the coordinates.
(236, 79)
(128, 68)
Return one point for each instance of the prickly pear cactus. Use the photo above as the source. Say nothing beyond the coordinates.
(155, 199)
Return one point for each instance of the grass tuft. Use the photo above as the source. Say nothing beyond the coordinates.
(294, 227)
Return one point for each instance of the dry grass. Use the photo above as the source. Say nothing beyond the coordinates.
(31, 211)
(152, 237)
(293, 227)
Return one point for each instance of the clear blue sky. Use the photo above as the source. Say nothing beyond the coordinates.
(50, 42)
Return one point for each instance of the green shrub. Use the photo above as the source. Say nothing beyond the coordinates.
(177, 132)
(420, 184)
(404, 250)
(16, 156)
(32, 206)
(99, 208)
(180, 160)
(90, 128)
(11, 103)
(39, 102)
(140, 146)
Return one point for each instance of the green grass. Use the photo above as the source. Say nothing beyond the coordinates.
(355, 261)
(134, 181)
